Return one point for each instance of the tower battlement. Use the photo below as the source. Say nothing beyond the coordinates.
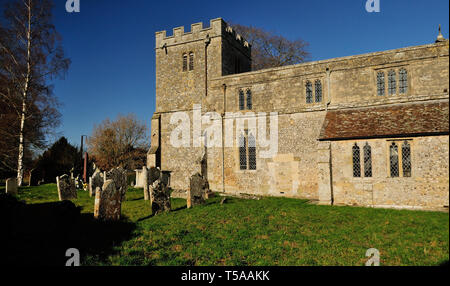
(218, 27)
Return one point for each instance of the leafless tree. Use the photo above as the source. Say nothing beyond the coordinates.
(123, 142)
(31, 54)
(270, 50)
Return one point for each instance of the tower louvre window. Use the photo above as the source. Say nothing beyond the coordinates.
(356, 161)
(191, 61)
(403, 81)
(392, 82)
(381, 85)
(318, 87)
(309, 92)
(185, 62)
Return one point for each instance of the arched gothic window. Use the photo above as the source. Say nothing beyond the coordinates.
(381, 85)
(367, 161)
(309, 92)
(241, 100)
(318, 87)
(356, 161)
(191, 61)
(403, 81)
(392, 82)
(406, 159)
(185, 62)
(242, 152)
(251, 152)
(393, 159)
(249, 99)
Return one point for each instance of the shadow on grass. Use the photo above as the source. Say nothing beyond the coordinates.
(135, 199)
(179, 209)
(144, 218)
(444, 263)
(40, 234)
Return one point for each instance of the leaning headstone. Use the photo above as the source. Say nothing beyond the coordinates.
(108, 202)
(11, 186)
(160, 197)
(66, 188)
(159, 191)
(199, 187)
(119, 176)
(95, 181)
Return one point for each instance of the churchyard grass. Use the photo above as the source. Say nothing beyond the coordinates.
(270, 231)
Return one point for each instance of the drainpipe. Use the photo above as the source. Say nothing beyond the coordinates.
(326, 109)
(224, 88)
(328, 88)
(207, 42)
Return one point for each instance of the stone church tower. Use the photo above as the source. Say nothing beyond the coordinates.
(185, 62)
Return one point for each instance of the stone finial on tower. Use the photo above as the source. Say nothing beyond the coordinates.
(440, 37)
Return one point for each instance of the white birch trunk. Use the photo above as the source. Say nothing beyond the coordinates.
(24, 101)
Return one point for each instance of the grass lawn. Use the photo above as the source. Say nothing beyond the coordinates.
(271, 231)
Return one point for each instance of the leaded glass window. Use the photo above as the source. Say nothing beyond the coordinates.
(393, 159)
(392, 82)
(251, 152)
(249, 99)
(367, 161)
(191, 61)
(403, 81)
(381, 84)
(356, 161)
(242, 152)
(309, 92)
(241, 100)
(185, 62)
(406, 159)
(318, 87)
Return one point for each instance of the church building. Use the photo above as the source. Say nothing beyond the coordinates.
(365, 130)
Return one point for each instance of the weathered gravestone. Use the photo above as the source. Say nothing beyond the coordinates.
(159, 191)
(119, 176)
(11, 186)
(197, 193)
(144, 175)
(66, 188)
(108, 202)
(94, 182)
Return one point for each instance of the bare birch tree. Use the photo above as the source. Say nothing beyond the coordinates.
(31, 55)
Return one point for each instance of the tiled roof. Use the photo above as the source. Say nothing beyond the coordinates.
(387, 121)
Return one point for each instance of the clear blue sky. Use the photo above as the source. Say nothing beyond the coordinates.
(111, 42)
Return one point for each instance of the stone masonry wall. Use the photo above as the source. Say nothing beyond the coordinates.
(427, 188)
